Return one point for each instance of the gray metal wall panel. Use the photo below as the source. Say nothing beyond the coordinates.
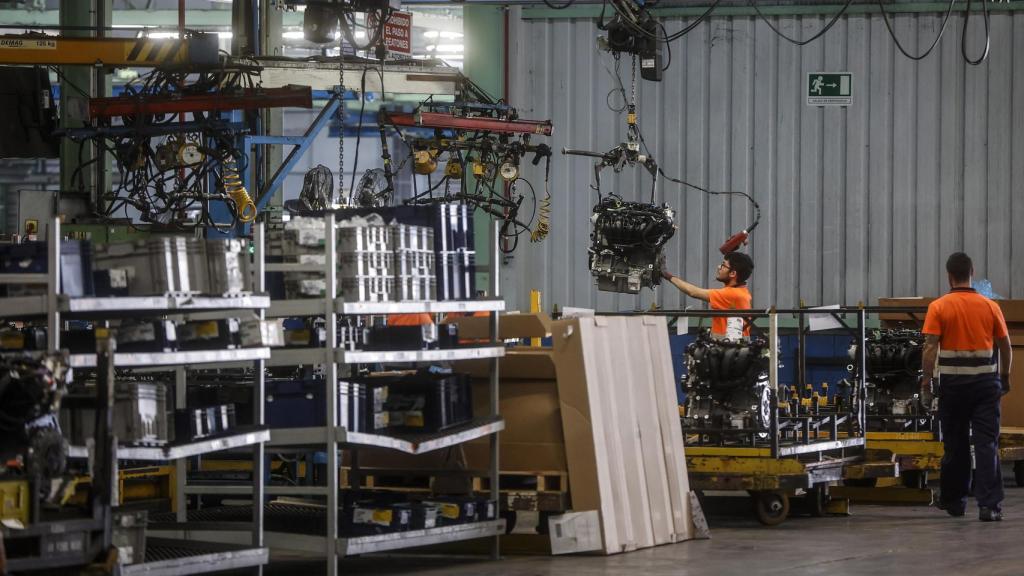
(1016, 152)
(856, 203)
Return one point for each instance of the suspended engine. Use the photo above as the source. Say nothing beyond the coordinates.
(626, 244)
(727, 384)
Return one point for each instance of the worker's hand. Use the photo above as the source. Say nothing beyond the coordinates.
(927, 392)
(666, 275)
(1004, 379)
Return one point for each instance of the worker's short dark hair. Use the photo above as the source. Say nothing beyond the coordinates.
(959, 266)
(741, 264)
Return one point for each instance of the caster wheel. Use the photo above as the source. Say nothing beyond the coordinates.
(914, 479)
(816, 500)
(772, 508)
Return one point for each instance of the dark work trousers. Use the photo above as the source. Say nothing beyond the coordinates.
(970, 413)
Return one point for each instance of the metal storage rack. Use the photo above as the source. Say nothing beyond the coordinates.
(167, 557)
(316, 528)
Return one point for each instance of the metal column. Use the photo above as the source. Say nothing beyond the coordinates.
(495, 237)
(259, 461)
(331, 374)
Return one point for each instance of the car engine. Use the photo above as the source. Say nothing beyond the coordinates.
(626, 244)
(727, 384)
(893, 369)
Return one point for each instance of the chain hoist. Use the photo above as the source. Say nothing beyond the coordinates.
(341, 123)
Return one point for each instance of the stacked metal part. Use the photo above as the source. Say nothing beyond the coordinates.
(366, 262)
(727, 384)
(456, 253)
(303, 243)
(414, 262)
(172, 265)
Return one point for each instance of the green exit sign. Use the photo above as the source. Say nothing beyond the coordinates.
(829, 89)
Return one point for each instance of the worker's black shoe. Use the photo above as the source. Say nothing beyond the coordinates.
(989, 515)
(955, 509)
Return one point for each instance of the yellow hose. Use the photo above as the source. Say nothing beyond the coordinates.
(540, 231)
(236, 191)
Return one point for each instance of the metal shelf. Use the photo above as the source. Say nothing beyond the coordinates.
(104, 307)
(315, 307)
(236, 439)
(416, 538)
(433, 307)
(297, 356)
(299, 527)
(23, 306)
(145, 359)
(17, 278)
(168, 304)
(452, 354)
(167, 557)
(409, 443)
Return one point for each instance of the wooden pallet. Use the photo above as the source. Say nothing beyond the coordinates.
(525, 481)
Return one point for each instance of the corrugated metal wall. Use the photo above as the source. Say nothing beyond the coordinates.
(856, 203)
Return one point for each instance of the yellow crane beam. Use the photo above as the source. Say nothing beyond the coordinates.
(57, 51)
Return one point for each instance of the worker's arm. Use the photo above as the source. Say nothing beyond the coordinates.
(1005, 361)
(928, 356)
(687, 288)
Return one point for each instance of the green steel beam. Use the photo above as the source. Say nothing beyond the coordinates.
(594, 10)
(484, 29)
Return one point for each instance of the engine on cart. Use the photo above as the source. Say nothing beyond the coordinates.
(893, 358)
(626, 244)
(30, 438)
(727, 384)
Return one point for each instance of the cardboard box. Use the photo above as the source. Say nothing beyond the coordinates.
(574, 532)
(532, 439)
(509, 326)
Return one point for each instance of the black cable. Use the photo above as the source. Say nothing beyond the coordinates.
(812, 38)
(568, 3)
(757, 207)
(922, 56)
(963, 35)
(359, 132)
(692, 25)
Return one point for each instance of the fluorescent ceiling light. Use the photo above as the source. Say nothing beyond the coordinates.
(225, 35)
(293, 35)
(162, 35)
(450, 48)
(447, 34)
(431, 34)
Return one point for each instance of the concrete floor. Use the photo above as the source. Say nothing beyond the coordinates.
(874, 541)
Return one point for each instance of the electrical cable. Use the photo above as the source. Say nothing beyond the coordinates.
(553, 6)
(757, 207)
(820, 33)
(988, 35)
(923, 55)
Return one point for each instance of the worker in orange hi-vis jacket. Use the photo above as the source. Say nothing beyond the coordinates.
(968, 346)
(410, 319)
(733, 272)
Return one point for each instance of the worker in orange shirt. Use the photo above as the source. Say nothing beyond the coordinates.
(963, 331)
(734, 271)
(420, 319)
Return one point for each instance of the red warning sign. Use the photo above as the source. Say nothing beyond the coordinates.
(398, 33)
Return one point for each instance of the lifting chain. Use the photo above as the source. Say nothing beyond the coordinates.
(341, 122)
(632, 132)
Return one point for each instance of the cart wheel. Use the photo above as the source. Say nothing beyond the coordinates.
(861, 482)
(914, 479)
(772, 507)
(510, 520)
(816, 500)
(1018, 472)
